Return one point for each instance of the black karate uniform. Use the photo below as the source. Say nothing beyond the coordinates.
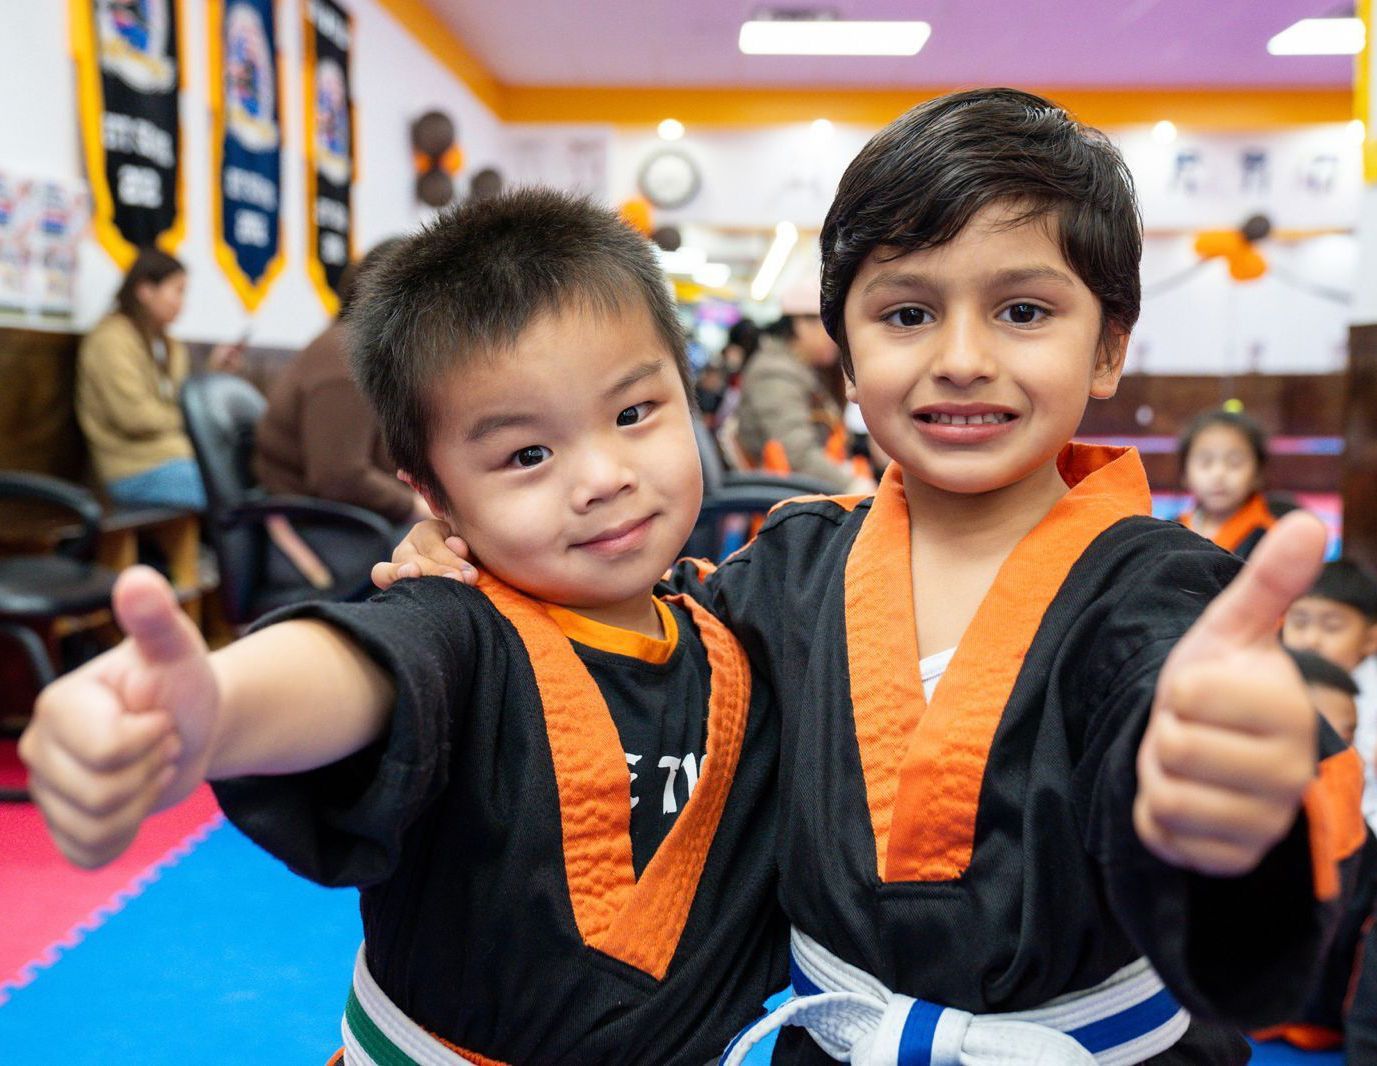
(522, 897)
(979, 852)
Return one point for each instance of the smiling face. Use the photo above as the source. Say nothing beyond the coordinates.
(1221, 471)
(569, 461)
(974, 360)
(1336, 631)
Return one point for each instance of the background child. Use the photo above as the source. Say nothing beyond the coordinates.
(1323, 1023)
(1222, 457)
(555, 791)
(1337, 619)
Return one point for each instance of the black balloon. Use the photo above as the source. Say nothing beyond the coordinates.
(435, 188)
(486, 183)
(432, 133)
(1256, 228)
(668, 238)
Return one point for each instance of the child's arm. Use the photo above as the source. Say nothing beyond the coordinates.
(138, 728)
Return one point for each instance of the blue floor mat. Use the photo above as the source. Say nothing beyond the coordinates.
(226, 958)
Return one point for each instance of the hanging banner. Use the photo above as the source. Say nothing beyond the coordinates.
(329, 147)
(246, 144)
(129, 71)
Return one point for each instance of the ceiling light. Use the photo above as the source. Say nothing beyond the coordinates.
(1164, 132)
(683, 260)
(1357, 132)
(822, 128)
(671, 129)
(831, 37)
(713, 275)
(786, 236)
(1319, 37)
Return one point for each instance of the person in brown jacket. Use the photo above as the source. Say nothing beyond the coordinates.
(787, 420)
(319, 437)
(129, 372)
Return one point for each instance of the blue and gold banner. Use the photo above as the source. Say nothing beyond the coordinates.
(129, 71)
(330, 164)
(246, 144)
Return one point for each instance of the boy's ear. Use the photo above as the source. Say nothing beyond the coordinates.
(1109, 364)
(850, 388)
(424, 493)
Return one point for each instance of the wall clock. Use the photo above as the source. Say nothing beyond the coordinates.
(669, 178)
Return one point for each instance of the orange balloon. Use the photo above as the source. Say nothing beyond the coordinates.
(636, 213)
(452, 160)
(1213, 242)
(1247, 265)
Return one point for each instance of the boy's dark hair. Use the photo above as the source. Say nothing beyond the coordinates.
(354, 270)
(151, 266)
(1246, 426)
(1317, 670)
(921, 179)
(1348, 582)
(472, 281)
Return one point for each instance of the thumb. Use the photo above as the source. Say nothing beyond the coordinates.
(1281, 569)
(147, 610)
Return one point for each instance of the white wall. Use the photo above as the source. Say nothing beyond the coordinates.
(395, 80)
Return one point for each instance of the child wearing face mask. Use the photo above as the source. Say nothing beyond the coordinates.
(1222, 456)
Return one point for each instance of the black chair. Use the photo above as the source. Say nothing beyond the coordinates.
(729, 493)
(221, 412)
(36, 591)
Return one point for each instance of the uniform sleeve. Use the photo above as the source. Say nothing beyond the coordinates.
(783, 405)
(337, 454)
(1360, 1026)
(1245, 949)
(114, 366)
(343, 824)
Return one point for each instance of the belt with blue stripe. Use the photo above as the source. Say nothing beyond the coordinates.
(851, 1015)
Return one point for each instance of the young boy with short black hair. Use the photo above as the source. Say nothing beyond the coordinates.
(555, 790)
(1337, 618)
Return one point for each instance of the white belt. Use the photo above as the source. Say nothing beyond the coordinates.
(854, 1018)
(376, 1031)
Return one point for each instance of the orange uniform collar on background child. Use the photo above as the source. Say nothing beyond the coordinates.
(1254, 515)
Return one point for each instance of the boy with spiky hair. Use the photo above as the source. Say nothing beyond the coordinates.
(554, 790)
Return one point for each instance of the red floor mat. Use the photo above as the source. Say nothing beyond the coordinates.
(44, 899)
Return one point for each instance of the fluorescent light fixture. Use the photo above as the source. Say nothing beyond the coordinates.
(1164, 132)
(684, 260)
(671, 129)
(713, 275)
(1319, 37)
(786, 236)
(831, 37)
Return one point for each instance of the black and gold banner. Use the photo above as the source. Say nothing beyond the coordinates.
(330, 164)
(129, 69)
(246, 144)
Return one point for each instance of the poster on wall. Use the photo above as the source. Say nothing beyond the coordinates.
(329, 147)
(246, 145)
(129, 71)
(41, 223)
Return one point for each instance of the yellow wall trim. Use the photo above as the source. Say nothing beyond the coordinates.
(1206, 108)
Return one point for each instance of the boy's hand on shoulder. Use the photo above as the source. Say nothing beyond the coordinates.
(126, 734)
(428, 551)
(1231, 744)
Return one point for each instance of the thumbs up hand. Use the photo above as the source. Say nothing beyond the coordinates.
(129, 732)
(1231, 743)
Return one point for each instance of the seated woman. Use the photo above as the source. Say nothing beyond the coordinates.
(129, 372)
(319, 437)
